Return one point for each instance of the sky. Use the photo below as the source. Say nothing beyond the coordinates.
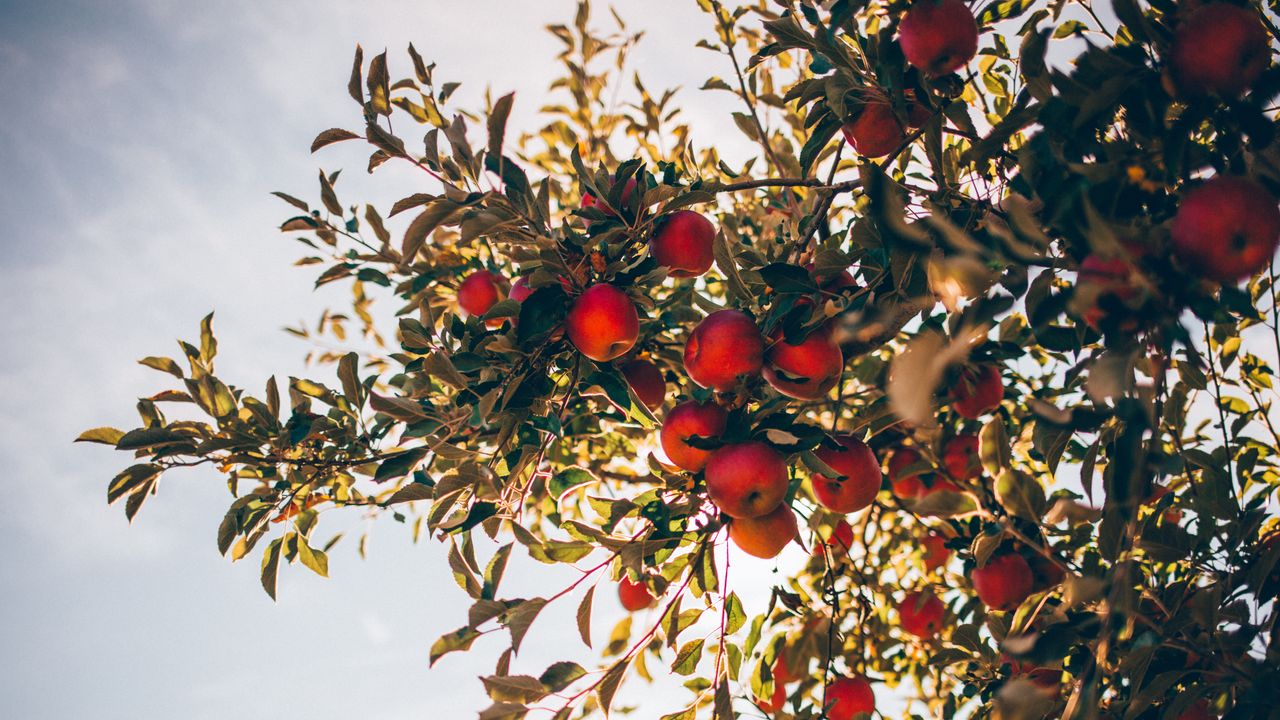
(139, 142)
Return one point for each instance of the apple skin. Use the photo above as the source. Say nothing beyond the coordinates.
(1227, 229)
(839, 542)
(876, 131)
(520, 289)
(603, 323)
(1047, 678)
(746, 480)
(848, 696)
(725, 346)
(817, 359)
(781, 676)
(765, 536)
(1099, 277)
(1199, 710)
(634, 596)
(938, 37)
(1219, 49)
(683, 244)
(685, 420)
(960, 456)
(646, 379)
(589, 200)
(1045, 573)
(921, 613)
(905, 487)
(979, 390)
(1004, 582)
(480, 291)
(936, 552)
(861, 470)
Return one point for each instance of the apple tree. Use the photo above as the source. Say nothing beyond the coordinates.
(986, 326)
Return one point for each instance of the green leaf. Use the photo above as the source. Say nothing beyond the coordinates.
(329, 137)
(271, 566)
(131, 480)
(314, 559)
(561, 675)
(103, 435)
(686, 661)
(520, 618)
(584, 616)
(455, 641)
(498, 123)
(163, 364)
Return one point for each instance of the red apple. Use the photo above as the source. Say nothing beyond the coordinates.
(807, 370)
(1047, 678)
(520, 289)
(746, 480)
(589, 200)
(1102, 277)
(781, 677)
(687, 420)
(683, 244)
(960, 455)
(765, 536)
(646, 379)
(1219, 48)
(907, 484)
(1199, 710)
(979, 390)
(1045, 573)
(634, 595)
(861, 470)
(1004, 582)
(724, 347)
(839, 542)
(849, 696)
(876, 131)
(1227, 229)
(920, 614)
(936, 551)
(938, 36)
(603, 323)
(480, 291)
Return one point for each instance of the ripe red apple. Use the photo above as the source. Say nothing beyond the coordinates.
(634, 595)
(1219, 48)
(686, 420)
(1048, 678)
(839, 542)
(907, 484)
(876, 131)
(807, 370)
(725, 346)
(936, 551)
(480, 291)
(861, 470)
(589, 200)
(765, 536)
(1098, 278)
(646, 379)
(781, 676)
(938, 36)
(1004, 582)
(683, 244)
(921, 613)
(960, 455)
(746, 480)
(520, 289)
(1227, 229)
(848, 696)
(979, 390)
(603, 323)
(1199, 710)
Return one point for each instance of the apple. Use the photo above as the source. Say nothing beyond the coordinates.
(646, 379)
(1199, 710)
(634, 596)
(1004, 582)
(860, 469)
(603, 323)
(1047, 678)
(1099, 278)
(781, 676)
(589, 200)
(938, 36)
(765, 536)
(683, 244)
(920, 613)
(1045, 573)
(906, 484)
(979, 390)
(848, 696)
(960, 456)
(936, 552)
(724, 347)
(1220, 49)
(686, 420)
(807, 370)
(832, 283)
(480, 291)
(746, 480)
(520, 289)
(839, 542)
(876, 131)
(917, 112)
(1227, 228)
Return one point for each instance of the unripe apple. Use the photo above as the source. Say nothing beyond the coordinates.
(960, 455)
(936, 552)
(907, 484)
(1219, 48)
(724, 347)
(1004, 582)
(480, 291)
(839, 542)
(687, 420)
(683, 244)
(938, 36)
(1227, 229)
(746, 480)
(921, 613)
(979, 390)
(520, 289)
(807, 370)
(848, 696)
(634, 596)
(603, 323)
(646, 379)
(765, 536)
(861, 470)
(876, 131)
(589, 200)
